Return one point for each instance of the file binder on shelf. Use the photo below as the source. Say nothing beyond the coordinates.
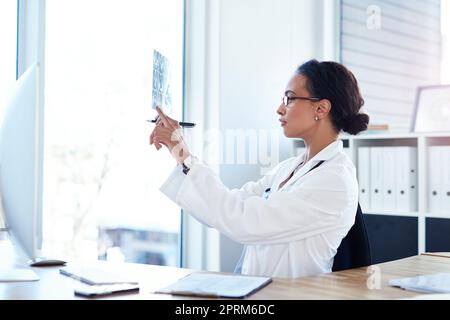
(405, 178)
(435, 188)
(376, 179)
(390, 187)
(445, 199)
(364, 178)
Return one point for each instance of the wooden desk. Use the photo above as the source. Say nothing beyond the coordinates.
(438, 254)
(348, 284)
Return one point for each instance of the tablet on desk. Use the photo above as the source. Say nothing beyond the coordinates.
(86, 290)
(97, 275)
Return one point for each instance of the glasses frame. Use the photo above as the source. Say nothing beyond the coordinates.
(287, 100)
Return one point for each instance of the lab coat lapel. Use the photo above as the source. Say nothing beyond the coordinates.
(287, 171)
(297, 175)
(327, 153)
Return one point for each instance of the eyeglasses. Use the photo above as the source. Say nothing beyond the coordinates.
(287, 100)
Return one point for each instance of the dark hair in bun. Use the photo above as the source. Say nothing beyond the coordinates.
(356, 124)
(334, 82)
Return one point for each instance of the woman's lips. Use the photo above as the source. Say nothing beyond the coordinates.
(283, 123)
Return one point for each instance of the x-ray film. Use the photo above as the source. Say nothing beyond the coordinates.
(161, 94)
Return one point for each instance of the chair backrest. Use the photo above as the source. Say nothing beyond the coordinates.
(354, 250)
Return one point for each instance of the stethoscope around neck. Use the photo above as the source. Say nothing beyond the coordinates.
(267, 191)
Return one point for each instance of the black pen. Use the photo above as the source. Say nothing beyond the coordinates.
(183, 124)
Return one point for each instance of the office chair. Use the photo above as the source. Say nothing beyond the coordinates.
(354, 250)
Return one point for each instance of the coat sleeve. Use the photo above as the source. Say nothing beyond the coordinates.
(315, 207)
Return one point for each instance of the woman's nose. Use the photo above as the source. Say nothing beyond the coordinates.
(281, 109)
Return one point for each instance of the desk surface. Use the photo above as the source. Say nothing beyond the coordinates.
(348, 284)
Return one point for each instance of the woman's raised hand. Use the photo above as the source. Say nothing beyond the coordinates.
(168, 132)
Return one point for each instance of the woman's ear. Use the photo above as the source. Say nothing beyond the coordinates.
(323, 108)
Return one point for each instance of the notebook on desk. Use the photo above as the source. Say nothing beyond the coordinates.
(216, 285)
(430, 283)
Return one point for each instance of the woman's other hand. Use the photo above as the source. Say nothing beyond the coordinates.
(168, 132)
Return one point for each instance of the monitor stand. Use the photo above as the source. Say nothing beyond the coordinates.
(46, 262)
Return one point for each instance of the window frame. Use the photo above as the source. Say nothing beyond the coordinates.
(29, 50)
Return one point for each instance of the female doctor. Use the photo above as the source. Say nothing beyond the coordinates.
(294, 218)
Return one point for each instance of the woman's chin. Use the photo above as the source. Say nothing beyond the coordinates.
(287, 134)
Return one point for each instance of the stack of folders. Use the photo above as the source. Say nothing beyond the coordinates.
(439, 180)
(433, 283)
(387, 178)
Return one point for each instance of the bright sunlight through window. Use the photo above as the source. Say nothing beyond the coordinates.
(102, 179)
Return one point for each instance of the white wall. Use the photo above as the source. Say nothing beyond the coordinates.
(392, 51)
(445, 67)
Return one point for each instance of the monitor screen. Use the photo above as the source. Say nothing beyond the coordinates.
(21, 156)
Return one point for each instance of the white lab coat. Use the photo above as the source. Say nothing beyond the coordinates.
(293, 232)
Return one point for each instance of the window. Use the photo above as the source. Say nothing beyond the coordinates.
(102, 179)
(8, 41)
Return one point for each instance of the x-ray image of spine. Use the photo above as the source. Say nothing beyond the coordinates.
(161, 94)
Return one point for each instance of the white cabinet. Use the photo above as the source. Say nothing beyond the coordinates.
(413, 176)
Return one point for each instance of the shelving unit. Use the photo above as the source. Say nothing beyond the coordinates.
(433, 230)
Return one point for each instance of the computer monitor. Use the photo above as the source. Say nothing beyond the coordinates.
(21, 165)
